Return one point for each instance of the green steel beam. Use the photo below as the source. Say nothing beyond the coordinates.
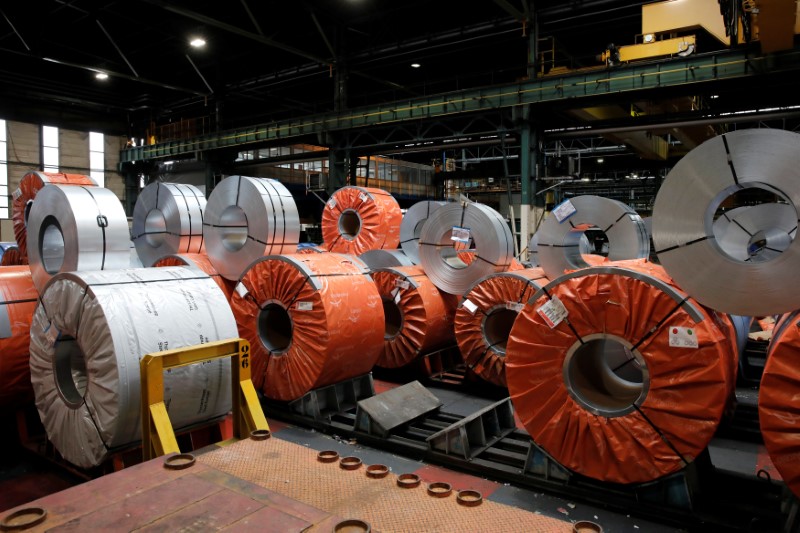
(718, 66)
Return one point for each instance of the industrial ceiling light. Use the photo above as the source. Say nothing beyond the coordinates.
(198, 42)
(599, 159)
(101, 75)
(415, 65)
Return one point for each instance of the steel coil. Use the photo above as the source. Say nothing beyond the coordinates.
(312, 320)
(756, 233)
(411, 227)
(200, 263)
(685, 207)
(385, 258)
(87, 337)
(455, 228)
(358, 219)
(18, 298)
(584, 248)
(247, 218)
(617, 374)
(485, 316)
(13, 257)
(418, 316)
(559, 247)
(23, 199)
(168, 219)
(76, 228)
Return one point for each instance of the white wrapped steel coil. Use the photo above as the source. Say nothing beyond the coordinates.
(688, 201)
(411, 227)
(456, 227)
(87, 336)
(247, 218)
(76, 228)
(168, 219)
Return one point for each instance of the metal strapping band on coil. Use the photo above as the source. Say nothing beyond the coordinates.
(411, 227)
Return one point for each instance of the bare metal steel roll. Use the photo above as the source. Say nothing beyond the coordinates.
(559, 246)
(584, 248)
(411, 227)
(684, 214)
(756, 233)
(385, 259)
(87, 337)
(168, 219)
(247, 218)
(76, 228)
(455, 227)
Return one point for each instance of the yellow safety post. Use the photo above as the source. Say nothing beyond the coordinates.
(158, 437)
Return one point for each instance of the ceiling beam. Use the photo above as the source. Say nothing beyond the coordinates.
(510, 9)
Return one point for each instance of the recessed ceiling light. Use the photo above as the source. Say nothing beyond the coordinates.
(415, 65)
(198, 42)
(714, 96)
(101, 76)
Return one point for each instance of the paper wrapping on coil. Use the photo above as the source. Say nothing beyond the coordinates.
(76, 228)
(456, 228)
(168, 219)
(561, 233)
(582, 401)
(18, 299)
(106, 322)
(23, 199)
(385, 258)
(358, 219)
(312, 320)
(13, 257)
(411, 227)
(684, 211)
(247, 218)
(485, 316)
(201, 263)
(419, 317)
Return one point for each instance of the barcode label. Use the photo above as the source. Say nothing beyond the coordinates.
(460, 234)
(553, 312)
(304, 306)
(241, 290)
(470, 306)
(564, 210)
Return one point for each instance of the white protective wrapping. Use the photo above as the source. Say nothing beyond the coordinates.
(683, 217)
(478, 227)
(560, 248)
(168, 219)
(756, 233)
(411, 227)
(375, 259)
(87, 337)
(247, 218)
(76, 228)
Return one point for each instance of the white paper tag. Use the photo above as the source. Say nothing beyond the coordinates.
(553, 312)
(17, 194)
(304, 306)
(470, 306)
(363, 197)
(397, 296)
(460, 234)
(401, 283)
(564, 210)
(683, 337)
(332, 203)
(241, 290)
(515, 306)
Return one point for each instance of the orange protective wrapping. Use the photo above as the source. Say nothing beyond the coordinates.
(336, 330)
(779, 400)
(30, 184)
(425, 318)
(202, 262)
(676, 413)
(377, 227)
(481, 339)
(16, 285)
(13, 257)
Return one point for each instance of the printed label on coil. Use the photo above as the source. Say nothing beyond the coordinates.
(470, 306)
(304, 306)
(515, 306)
(17, 194)
(241, 290)
(332, 203)
(401, 283)
(363, 197)
(682, 337)
(564, 210)
(553, 312)
(460, 234)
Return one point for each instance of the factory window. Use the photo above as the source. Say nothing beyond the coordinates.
(3, 171)
(50, 148)
(97, 164)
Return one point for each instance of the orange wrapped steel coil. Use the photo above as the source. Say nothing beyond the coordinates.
(18, 299)
(312, 320)
(200, 262)
(358, 219)
(13, 257)
(778, 406)
(617, 374)
(485, 316)
(418, 316)
(24, 196)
